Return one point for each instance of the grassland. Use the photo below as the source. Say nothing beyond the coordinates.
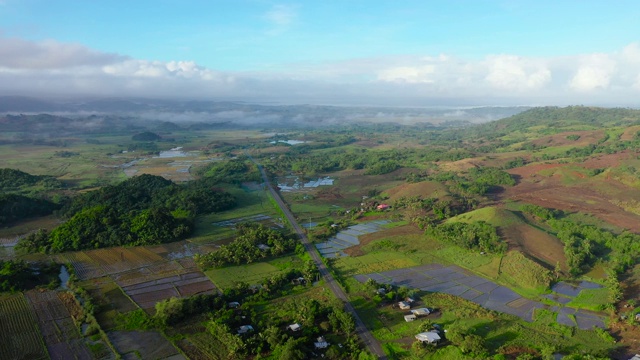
(227, 277)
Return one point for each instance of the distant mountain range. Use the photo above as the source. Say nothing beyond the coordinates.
(246, 113)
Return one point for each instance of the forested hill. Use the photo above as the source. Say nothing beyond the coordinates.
(11, 179)
(143, 210)
(549, 120)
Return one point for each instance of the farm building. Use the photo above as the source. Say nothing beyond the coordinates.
(404, 305)
(321, 343)
(245, 329)
(233, 304)
(409, 318)
(294, 327)
(421, 312)
(430, 337)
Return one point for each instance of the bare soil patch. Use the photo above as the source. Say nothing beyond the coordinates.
(587, 137)
(536, 243)
(630, 133)
(597, 196)
(147, 344)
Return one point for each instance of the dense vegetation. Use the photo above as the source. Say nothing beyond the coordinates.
(146, 136)
(474, 236)
(17, 207)
(252, 242)
(11, 179)
(16, 275)
(142, 210)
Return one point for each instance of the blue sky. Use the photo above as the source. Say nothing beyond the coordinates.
(524, 51)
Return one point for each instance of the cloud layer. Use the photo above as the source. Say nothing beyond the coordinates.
(55, 68)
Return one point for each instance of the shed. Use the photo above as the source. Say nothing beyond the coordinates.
(233, 304)
(409, 318)
(430, 337)
(245, 329)
(421, 312)
(321, 343)
(294, 327)
(404, 305)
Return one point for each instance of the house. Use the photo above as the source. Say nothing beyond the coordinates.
(404, 305)
(233, 304)
(299, 281)
(637, 317)
(245, 329)
(409, 318)
(421, 312)
(294, 327)
(635, 357)
(381, 291)
(382, 207)
(430, 337)
(321, 343)
(409, 300)
(263, 247)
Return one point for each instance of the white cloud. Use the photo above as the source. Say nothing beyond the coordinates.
(51, 67)
(594, 72)
(22, 54)
(516, 73)
(412, 75)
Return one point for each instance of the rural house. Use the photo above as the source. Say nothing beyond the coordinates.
(409, 318)
(233, 304)
(404, 305)
(430, 337)
(321, 343)
(382, 207)
(245, 329)
(421, 312)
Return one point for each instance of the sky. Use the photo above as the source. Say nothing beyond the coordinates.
(347, 52)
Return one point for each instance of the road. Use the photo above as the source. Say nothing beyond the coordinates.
(361, 330)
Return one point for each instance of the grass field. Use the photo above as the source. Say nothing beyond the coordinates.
(591, 299)
(253, 273)
(249, 203)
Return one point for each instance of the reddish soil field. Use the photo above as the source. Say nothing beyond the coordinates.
(586, 137)
(536, 243)
(630, 133)
(592, 196)
(424, 189)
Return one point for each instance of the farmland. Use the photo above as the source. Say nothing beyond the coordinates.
(20, 335)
